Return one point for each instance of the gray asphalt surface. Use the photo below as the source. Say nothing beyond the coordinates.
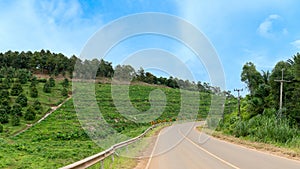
(182, 147)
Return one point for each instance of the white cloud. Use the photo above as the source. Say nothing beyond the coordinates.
(272, 26)
(55, 25)
(296, 43)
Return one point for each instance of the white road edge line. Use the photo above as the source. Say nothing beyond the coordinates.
(218, 158)
(150, 158)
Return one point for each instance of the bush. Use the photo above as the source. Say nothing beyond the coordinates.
(213, 122)
(29, 114)
(241, 129)
(22, 100)
(16, 89)
(264, 128)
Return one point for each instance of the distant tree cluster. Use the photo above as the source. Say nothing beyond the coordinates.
(46, 62)
(265, 91)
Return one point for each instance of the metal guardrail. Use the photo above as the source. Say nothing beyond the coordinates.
(92, 160)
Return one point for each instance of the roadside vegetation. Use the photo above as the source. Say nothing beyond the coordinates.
(261, 118)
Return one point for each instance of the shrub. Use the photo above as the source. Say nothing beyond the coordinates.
(241, 129)
(16, 89)
(22, 100)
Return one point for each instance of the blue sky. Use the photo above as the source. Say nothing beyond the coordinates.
(263, 32)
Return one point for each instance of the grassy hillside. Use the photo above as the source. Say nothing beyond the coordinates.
(47, 100)
(60, 139)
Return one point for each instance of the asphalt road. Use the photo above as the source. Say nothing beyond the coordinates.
(182, 147)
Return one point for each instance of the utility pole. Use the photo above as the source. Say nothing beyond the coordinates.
(239, 104)
(281, 90)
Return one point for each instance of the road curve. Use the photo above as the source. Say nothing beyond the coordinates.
(182, 147)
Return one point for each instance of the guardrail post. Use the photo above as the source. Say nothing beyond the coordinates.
(101, 164)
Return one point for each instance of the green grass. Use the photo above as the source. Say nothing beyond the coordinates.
(60, 140)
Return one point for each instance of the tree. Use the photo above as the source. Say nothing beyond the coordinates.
(33, 92)
(64, 92)
(23, 75)
(37, 106)
(15, 120)
(51, 82)
(105, 69)
(5, 105)
(47, 87)
(16, 89)
(124, 73)
(34, 82)
(251, 77)
(141, 75)
(1, 128)
(275, 86)
(22, 100)
(65, 83)
(3, 116)
(16, 109)
(29, 114)
(4, 94)
(5, 83)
